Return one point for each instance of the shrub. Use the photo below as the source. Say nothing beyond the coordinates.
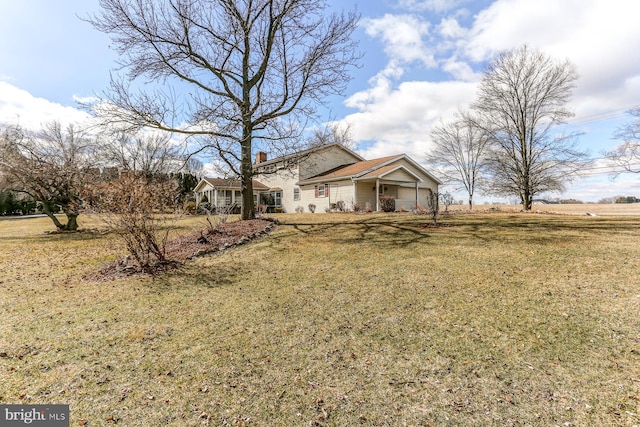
(367, 207)
(189, 207)
(130, 207)
(340, 206)
(387, 203)
(299, 209)
(312, 208)
(204, 208)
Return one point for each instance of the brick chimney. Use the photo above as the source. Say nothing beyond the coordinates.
(261, 157)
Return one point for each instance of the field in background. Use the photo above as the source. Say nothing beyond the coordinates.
(335, 319)
(573, 209)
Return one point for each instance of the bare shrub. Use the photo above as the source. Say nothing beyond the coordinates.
(447, 200)
(261, 210)
(140, 210)
(312, 207)
(432, 208)
(299, 209)
(387, 203)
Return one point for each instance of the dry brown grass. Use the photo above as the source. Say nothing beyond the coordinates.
(493, 319)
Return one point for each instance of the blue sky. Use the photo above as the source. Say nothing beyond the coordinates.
(422, 61)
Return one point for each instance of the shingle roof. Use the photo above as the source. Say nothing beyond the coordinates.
(303, 153)
(379, 171)
(352, 169)
(233, 183)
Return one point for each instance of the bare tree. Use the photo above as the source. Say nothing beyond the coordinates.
(522, 95)
(149, 153)
(459, 151)
(332, 134)
(627, 154)
(52, 166)
(231, 71)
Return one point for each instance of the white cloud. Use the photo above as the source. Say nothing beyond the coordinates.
(599, 36)
(399, 119)
(450, 28)
(432, 5)
(17, 106)
(402, 36)
(460, 70)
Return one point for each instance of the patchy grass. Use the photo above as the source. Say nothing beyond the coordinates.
(495, 319)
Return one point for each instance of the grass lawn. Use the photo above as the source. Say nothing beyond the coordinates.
(334, 320)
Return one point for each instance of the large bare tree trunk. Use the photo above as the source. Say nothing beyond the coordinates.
(72, 222)
(247, 212)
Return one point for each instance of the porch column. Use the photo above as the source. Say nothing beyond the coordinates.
(355, 192)
(417, 195)
(377, 195)
(215, 197)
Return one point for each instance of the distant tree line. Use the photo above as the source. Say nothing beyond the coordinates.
(10, 204)
(627, 199)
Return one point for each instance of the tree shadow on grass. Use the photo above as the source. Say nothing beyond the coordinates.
(539, 229)
(55, 237)
(196, 276)
(379, 231)
(390, 231)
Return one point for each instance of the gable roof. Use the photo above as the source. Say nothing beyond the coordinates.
(368, 169)
(304, 153)
(233, 184)
(386, 170)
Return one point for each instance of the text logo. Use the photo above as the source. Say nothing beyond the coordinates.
(34, 415)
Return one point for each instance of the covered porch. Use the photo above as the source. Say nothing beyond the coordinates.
(389, 195)
(224, 194)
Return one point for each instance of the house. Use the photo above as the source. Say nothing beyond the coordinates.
(224, 193)
(330, 177)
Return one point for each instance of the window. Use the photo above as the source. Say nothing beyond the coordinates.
(296, 193)
(277, 197)
(322, 190)
(290, 164)
(226, 196)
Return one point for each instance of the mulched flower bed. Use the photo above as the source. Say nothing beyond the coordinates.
(191, 246)
(222, 237)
